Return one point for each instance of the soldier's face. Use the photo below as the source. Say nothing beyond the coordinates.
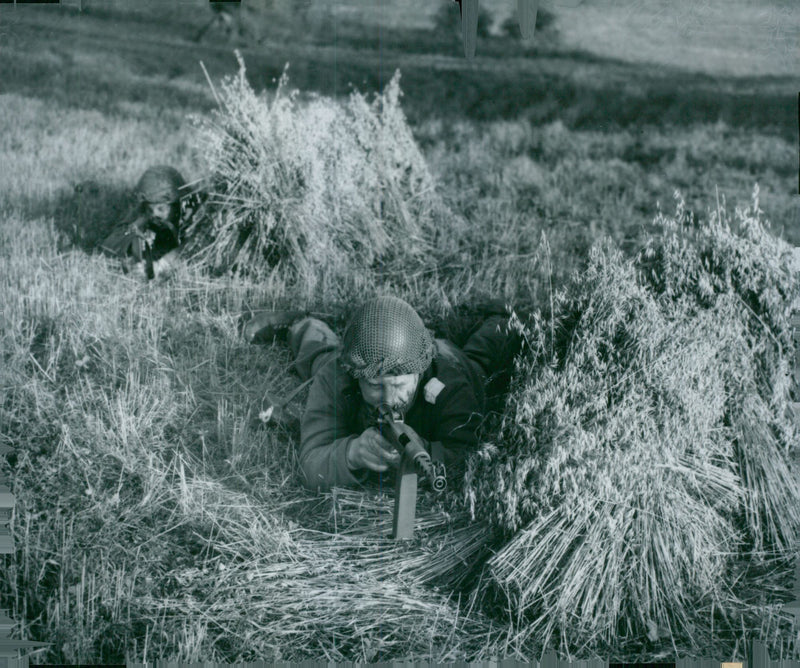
(161, 210)
(397, 391)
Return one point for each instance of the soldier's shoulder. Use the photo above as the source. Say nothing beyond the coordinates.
(450, 366)
(458, 374)
(449, 357)
(333, 373)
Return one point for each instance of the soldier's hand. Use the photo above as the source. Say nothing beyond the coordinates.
(166, 265)
(138, 271)
(137, 227)
(371, 451)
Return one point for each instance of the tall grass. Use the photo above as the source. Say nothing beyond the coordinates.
(154, 504)
(158, 516)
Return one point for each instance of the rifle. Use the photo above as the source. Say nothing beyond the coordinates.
(414, 460)
(142, 240)
(414, 449)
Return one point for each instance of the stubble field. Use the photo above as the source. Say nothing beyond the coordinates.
(157, 515)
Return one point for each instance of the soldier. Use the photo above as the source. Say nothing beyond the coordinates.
(147, 240)
(387, 356)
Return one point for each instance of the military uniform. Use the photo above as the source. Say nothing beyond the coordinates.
(141, 237)
(448, 406)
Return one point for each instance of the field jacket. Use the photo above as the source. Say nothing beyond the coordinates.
(448, 407)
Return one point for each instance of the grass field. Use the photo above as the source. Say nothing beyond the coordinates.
(151, 500)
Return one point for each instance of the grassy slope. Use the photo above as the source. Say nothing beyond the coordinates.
(638, 108)
(588, 144)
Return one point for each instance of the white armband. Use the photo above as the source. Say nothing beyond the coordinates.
(432, 390)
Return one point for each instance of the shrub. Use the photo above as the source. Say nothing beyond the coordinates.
(645, 460)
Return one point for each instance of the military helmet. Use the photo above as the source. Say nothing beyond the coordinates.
(386, 337)
(160, 184)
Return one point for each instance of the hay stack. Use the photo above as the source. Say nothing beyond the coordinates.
(320, 194)
(646, 450)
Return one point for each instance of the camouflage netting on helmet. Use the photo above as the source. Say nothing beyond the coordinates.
(160, 184)
(647, 481)
(386, 336)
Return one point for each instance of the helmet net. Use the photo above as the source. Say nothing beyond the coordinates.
(160, 184)
(386, 337)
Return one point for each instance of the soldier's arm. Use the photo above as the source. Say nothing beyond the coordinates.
(117, 243)
(325, 435)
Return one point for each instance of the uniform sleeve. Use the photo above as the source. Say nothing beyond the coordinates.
(124, 239)
(119, 242)
(325, 434)
(457, 422)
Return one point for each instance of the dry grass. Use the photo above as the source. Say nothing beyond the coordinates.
(152, 500)
(157, 519)
(323, 198)
(134, 409)
(646, 448)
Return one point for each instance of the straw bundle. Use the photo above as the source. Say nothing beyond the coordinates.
(645, 462)
(315, 194)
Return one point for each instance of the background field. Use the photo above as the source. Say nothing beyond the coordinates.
(134, 408)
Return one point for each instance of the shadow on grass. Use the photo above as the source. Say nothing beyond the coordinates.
(84, 214)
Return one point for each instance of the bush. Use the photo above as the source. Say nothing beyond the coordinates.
(645, 460)
(325, 197)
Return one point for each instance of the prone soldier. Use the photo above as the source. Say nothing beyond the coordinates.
(387, 360)
(147, 240)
